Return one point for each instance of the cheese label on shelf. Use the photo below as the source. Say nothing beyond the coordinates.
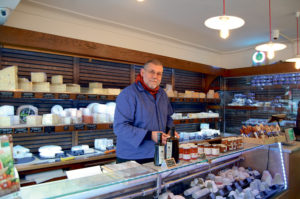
(27, 95)
(36, 129)
(64, 96)
(6, 131)
(21, 130)
(6, 95)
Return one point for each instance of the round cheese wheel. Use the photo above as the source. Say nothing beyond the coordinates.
(57, 109)
(50, 148)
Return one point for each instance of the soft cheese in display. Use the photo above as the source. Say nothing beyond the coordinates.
(25, 110)
(5, 121)
(34, 120)
(57, 79)
(50, 119)
(9, 78)
(7, 110)
(38, 77)
(49, 151)
(73, 88)
(41, 87)
(58, 88)
(57, 109)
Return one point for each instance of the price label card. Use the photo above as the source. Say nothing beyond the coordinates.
(48, 96)
(79, 127)
(91, 126)
(27, 95)
(64, 96)
(49, 129)
(36, 129)
(5, 94)
(6, 131)
(21, 130)
(103, 97)
(170, 163)
(66, 128)
(81, 97)
(92, 97)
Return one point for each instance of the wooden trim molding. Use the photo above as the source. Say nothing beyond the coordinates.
(280, 67)
(58, 44)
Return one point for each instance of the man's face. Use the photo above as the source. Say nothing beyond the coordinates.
(152, 75)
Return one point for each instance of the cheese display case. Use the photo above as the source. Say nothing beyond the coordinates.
(252, 100)
(256, 170)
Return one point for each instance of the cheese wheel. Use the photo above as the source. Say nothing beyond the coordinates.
(38, 77)
(34, 120)
(57, 109)
(57, 79)
(7, 110)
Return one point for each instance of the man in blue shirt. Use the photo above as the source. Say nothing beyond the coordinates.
(143, 110)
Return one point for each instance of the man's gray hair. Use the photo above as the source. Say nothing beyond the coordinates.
(153, 61)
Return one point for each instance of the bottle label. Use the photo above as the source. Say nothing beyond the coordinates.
(207, 151)
(161, 154)
(187, 157)
(215, 151)
(169, 150)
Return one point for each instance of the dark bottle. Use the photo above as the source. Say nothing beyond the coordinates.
(172, 146)
(159, 151)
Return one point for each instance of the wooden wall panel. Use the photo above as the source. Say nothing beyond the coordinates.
(186, 80)
(112, 75)
(28, 62)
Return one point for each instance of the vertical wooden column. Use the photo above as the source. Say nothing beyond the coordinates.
(74, 138)
(173, 79)
(0, 57)
(76, 70)
(132, 73)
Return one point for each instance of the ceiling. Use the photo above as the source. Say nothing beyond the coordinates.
(183, 20)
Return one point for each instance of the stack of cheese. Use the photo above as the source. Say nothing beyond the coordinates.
(57, 85)
(49, 151)
(39, 82)
(9, 78)
(24, 84)
(7, 117)
(96, 88)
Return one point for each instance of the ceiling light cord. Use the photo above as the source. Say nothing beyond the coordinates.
(270, 20)
(223, 7)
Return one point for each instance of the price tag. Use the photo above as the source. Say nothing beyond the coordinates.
(66, 128)
(91, 126)
(103, 97)
(6, 131)
(5, 94)
(48, 96)
(81, 97)
(92, 97)
(79, 127)
(36, 129)
(49, 129)
(21, 130)
(27, 95)
(170, 163)
(64, 96)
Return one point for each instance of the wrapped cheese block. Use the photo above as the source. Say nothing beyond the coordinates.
(95, 85)
(100, 91)
(73, 88)
(50, 119)
(210, 94)
(113, 91)
(34, 120)
(41, 87)
(58, 88)
(202, 95)
(38, 77)
(57, 79)
(9, 78)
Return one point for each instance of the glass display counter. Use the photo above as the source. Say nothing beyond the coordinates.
(148, 179)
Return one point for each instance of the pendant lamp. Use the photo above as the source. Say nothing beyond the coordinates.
(297, 58)
(270, 47)
(224, 23)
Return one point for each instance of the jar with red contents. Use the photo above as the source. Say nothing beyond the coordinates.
(215, 150)
(181, 152)
(186, 153)
(207, 149)
(223, 148)
(200, 148)
(230, 145)
(194, 152)
(239, 143)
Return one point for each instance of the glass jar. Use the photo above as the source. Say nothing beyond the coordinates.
(200, 148)
(186, 153)
(207, 149)
(239, 142)
(230, 145)
(215, 150)
(180, 152)
(223, 148)
(194, 152)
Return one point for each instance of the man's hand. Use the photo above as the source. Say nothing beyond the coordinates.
(163, 136)
(176, 134)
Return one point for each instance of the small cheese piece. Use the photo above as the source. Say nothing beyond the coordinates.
(73, 88)
(66, 120)
(216, 95)
(113, 91)
(96, 91)
(38, 77)
(7, 110)
(9, 78)
(210, 94)
(15, 119)
(5, 121)
(202, 95)
(57, 79)
(58, 88)
(41, 87)
(50, 119)
(34, 120)
(57, 109)
(95, 85)
(25, 86)
(25, 110)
